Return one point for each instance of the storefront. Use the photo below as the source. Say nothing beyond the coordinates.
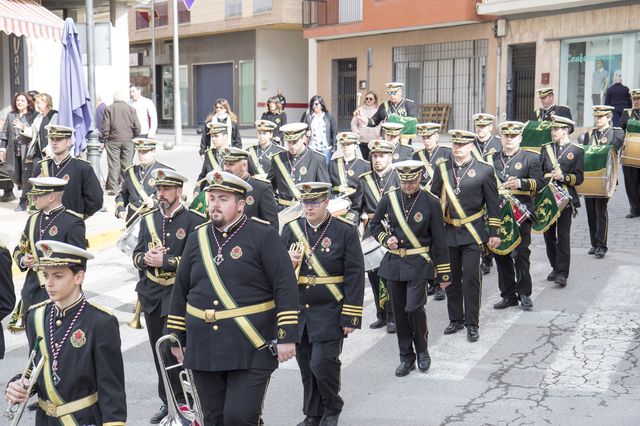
(588, 66)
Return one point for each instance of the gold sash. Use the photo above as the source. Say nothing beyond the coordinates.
(315, 264)
(256, 160)
(426, 163)
(137, 184)
(212, 159)
(287, 177)
(218, 286)
(453, 199)
(397, 212)
(343, 178)
(374, 188)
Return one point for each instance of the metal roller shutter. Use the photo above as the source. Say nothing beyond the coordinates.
(212, 81)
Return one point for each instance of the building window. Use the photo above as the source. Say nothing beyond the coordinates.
(184, 15)
(445, 73)
(588, 67)
(262, 6)
(232, 8)
(143, 19)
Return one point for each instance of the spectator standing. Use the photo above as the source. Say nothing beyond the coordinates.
(101, 107)
(283, 100)
(359, 123)
(275, 113)
(619, 97)
(146, 111)
(120, 125)
(222, 114)
(322, 127)
(15, 146)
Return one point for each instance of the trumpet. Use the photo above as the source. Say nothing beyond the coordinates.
(31, 372)
(16, 322)
(192, 414)
(298, 247)
(23, 246)
(137, 311)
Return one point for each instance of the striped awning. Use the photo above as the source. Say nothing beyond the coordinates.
(28, 18)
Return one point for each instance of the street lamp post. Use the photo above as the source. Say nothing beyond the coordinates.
(177, 113)
(153, 52)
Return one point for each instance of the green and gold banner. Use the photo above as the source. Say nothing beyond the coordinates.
(509, 232)
(633, 126)
(546, 210)
(199, 203)
(409, 123)
(535, 134)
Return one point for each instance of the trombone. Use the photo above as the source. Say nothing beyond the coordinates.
(30, 373)
(179, 415)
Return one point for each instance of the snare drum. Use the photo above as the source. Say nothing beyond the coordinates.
(289, 214)
(339, 206)
(561, 195)
(373, 253)
(129, 240)
(520, 211)
(600, 172)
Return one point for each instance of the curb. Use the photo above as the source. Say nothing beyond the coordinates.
(97, 242)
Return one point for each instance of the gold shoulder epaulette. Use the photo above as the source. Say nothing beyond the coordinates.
(261, 221)
(102, 308)
(430, 193)
(127, 169)
(364, 174)
(196, 212)
(202, 224)
(150, 212)
(578, 145)
(44, 160)
(260, 178)
(38, 305)
(440, 161)
(75, 213)
(345, 220)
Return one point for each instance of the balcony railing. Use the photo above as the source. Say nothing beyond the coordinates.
(319, 13)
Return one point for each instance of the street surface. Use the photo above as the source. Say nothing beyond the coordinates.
(572, 360)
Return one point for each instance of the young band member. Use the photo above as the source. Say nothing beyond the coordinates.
(345, 169)
(562, 163)
(163, 233)
(138, 187)
(372, 186)
(213, 155)
(52, 221)
(519, 174)
(331, 291)
(548, 108)
(297, 164)
(486, 142)
(235, 293)
(263, 151)
(409, 223)
(467, 187)
(392, 132)
(597, 215)
(260, 201)
(83, 193)
(82, 381)
(632, 174)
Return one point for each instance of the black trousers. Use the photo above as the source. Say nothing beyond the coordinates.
(320, 364)
(557, 239)
(632, 187)
(232, 398)
(463, 294)
(374, 281)
(487, 258)
(514, 278)
(598, 219)
(408, 299)
(27, 172)
(156, 328)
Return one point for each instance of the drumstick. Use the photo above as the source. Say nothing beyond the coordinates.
(359, 98)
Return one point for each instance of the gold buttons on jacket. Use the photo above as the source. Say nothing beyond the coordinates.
(216, 303)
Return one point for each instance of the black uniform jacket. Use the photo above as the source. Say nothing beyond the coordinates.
(324, 310)
(611, 135)
(82, 193)
(429, 158)
(524, 165)
(60, 224)
(154, 287)
(371, 188)
(256, 268)
(212, 161)
(89, 362)
(425, 222)
(345, 174)
(7, 292)
(309, 166)
(402, 152)
(629, 114)
(478, 191)
(571, 160)
(138, 184)
(404, 108)
(542, 114)
(482, 149)
(260, 158)
(260, 201)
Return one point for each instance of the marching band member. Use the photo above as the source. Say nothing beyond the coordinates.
(331, 291)
(213, 155)
(632, 174)
(162, 238)
(7, 291)
(409, 223)
(549, 109)
(562, 162)
(519, 175)
(52, 221)
(397, 104)
(597, 215)
(260, 201)
(431, 151)
(262, 152)
(298, 164)
(372, 186)
(84, 193)
(392, 132)
(235, 293)
(82, 382)
(466, 186)
(138, 185)
(345, 169)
